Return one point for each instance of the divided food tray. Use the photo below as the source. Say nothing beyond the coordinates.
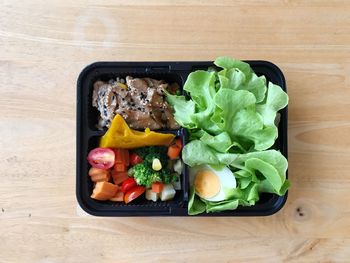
(88, 136)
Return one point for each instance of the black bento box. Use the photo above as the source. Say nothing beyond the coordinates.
(88, 135)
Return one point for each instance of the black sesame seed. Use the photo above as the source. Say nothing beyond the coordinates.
(139, 108)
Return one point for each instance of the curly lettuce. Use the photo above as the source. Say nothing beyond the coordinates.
(233, 101)
(231, 117)
(255, 172)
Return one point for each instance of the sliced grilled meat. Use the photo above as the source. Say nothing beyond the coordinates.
(141, 103)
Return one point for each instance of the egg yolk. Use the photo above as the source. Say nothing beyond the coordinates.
(206, 184)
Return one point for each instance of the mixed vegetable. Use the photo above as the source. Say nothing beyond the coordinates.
(142, 164)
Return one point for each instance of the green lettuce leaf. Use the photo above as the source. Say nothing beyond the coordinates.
(231, 118)
(183, 110)
(241, 106)
(195, 205)
(255, 172)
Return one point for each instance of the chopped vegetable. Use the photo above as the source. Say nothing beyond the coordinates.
(168, 177)
(149, 153)
(150, 168)
(133, 193)
(156, 164)
(122, 156)
(128, 184)
(119, 177)
(102, 158)
(119, 135)
(175, 149)
(135, 159)
(104, 191)
(157, 187)
(150, 195)
(178, 166)
(131, 171)
(168, 192)
(99, 175)
(119, 197)
(120, 167)
(145, 175)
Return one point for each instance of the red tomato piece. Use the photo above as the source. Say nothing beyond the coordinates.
(128, 184)
(135, 159)
(102, 158)
(134, 193)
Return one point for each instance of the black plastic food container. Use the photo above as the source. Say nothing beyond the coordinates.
(88, 135)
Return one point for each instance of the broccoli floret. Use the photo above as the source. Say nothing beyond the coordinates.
(143, 172)
(152, 152)
(168, 177)
(146, 176)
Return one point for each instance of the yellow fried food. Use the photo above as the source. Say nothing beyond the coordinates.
(119, 135)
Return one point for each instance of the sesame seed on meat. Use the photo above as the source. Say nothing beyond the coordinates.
(142, 104)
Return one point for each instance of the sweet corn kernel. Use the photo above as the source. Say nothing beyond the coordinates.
(156, 164)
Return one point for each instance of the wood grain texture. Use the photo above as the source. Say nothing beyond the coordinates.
(44, 46)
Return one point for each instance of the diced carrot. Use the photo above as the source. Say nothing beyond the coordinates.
(119, 177)
(178, 142)
(122, 156)
(157, 187)
(119, 197)
(120, 167)
(95, 171)
(99, 175)
(100, 178)
(118, 156)
(104, 191)
(173, 151)
(126, 157)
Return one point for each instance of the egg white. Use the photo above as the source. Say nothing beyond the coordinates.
(225, 175)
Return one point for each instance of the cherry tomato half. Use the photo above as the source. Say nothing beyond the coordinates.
(128, 184)
(102, 158)
(135, 159)
(134, 193)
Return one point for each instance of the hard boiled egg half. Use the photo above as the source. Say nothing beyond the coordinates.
(209, 182)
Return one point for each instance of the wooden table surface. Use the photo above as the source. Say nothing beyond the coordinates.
(44, 46)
